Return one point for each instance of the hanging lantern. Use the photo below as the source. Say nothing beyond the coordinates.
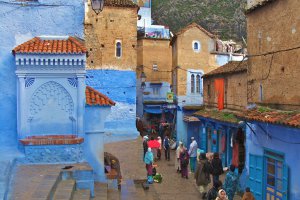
(97, 5)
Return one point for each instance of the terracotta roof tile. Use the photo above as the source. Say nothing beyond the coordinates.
(69, 45)
(229, 68)
(288, 118)
(120, 3)
(95, 98)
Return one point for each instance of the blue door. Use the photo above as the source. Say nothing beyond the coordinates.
(276, 180)
(222, 146)
(255, 181)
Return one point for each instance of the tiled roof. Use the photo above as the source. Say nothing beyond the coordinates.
(198, 26)
(95, 98)
(288, 118)
(120, 3)
(229, 68)
(223, 116)
(51, 45)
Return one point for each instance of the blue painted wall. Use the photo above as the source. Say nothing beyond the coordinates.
(18, 24)
(255, 144)
(120, 86)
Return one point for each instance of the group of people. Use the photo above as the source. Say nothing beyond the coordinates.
(152, 152)
(203, 168)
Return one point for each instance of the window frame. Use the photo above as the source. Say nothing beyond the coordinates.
(116, 49)
(197, 50)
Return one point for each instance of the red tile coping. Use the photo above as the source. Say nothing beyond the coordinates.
(288, 118)
(94, 98)
(51, 140)
(69, 45)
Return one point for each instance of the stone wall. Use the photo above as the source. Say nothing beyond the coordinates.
(235, 88)
(185, 57)
(155, 52)
(274, 78)
(102, 32)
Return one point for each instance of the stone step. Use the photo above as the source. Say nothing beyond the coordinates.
(82, 195)
(65, 190)
(44, 187)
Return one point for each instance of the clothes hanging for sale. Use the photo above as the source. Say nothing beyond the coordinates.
(235, 155)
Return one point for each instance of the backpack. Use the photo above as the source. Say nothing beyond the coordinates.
(166, 143)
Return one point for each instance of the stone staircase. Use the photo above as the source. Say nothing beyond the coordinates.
(52, 182)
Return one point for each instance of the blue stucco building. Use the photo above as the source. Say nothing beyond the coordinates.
(272, 146)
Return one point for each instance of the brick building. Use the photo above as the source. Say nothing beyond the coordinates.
(233, 81)
(111, 36)
(273, 45)
(273, 29)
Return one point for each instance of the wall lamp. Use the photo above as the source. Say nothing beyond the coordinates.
(97, 6)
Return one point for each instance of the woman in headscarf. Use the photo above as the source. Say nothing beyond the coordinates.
(231, 182)
(179, 149)
(184, 162)
(149, 161)
(222, 195)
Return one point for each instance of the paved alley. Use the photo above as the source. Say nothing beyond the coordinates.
(133, 172)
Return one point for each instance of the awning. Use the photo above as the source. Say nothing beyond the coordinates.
(190, 119)
(153, 110)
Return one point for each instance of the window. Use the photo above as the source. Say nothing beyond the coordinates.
(195, 83)
(196, 46)
(118, 49)
(192, 83)
(155, 67)
(155, 90)
(198, 83)
(208, 90)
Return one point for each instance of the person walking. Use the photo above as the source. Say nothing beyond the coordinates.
(217, 168)
(202, 174)
(184, 163)
(167, 148)
(149, 163)
(248, 195)
(213, 192)
(231, 182)
(159, 148)
(222, 195)
(179, 149)
(193, 154)
(145, 145)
